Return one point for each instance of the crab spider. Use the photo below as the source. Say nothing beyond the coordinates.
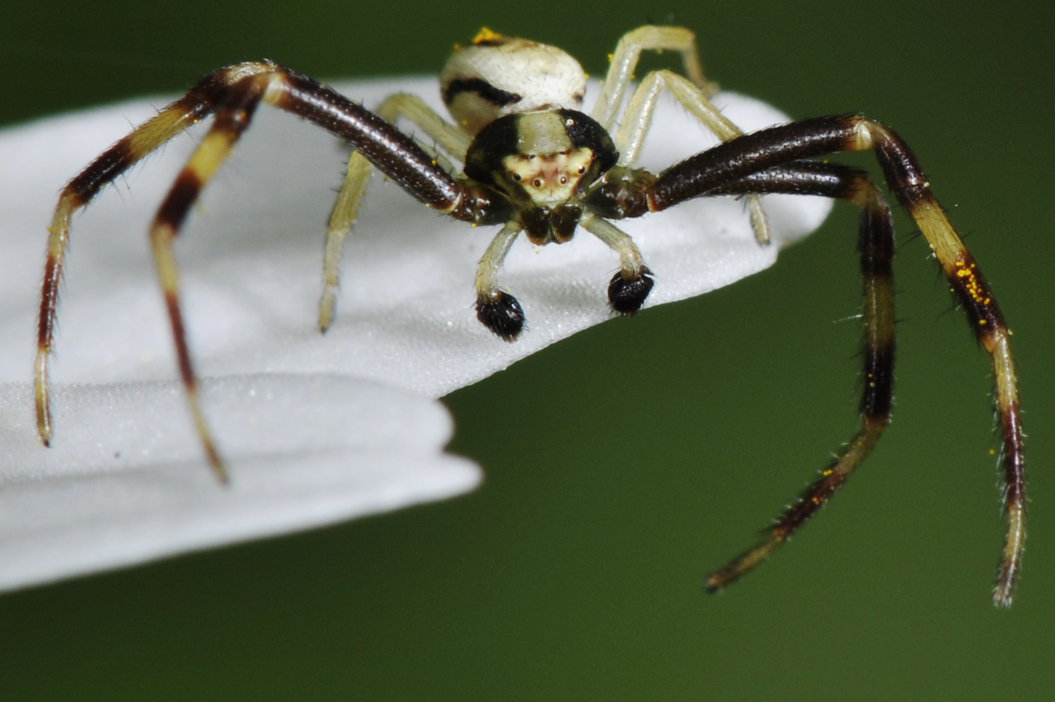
(534, 163)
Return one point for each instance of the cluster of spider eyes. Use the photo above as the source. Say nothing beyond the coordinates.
(537, 182)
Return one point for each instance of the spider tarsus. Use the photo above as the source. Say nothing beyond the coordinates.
(326, 309)
(626, 295)
(501, 314)
(212, 456)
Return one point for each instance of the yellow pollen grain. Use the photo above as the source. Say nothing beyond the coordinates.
(972, 285)
(486, 35)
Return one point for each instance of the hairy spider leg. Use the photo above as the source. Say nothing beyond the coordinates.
(173, 120)
(625, 59)
(231, 120)
(450, 140)
(629, 287)
(728, 162)
(876, 247)
(692, 92)
(499, 311)
(231, 93)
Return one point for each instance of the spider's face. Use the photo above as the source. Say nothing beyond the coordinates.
(543, 162)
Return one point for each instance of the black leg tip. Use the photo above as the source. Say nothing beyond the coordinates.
(627, 295)
(502, 315)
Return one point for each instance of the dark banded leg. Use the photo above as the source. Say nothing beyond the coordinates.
(709, 171)
(234, 91)
(174, 119)
(876, 247)
(200, 101)
(232, 119)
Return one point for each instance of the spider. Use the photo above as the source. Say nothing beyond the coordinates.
(535, 163)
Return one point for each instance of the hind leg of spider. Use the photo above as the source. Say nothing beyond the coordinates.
(450, 140)
(638, 118)
(691, 90)
(628, 53)
(876, 248)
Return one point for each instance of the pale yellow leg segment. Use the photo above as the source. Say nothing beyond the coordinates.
(631, 262)
(202, 165)
(624, 62)
(147, 138)
(491, 262)
(448, 138)
(638, 118)
(161, 236)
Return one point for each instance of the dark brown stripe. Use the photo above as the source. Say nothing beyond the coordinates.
(100, 172)
(122, 156)
(49, 299)
(390, 151)
(975, 295)
(878, 395)
(186, 369)
(481, 88)
(811, 500)
(181, 197)
(876, 242)
(799, 178)
(752, 153)
(876, 246)
(902, 171)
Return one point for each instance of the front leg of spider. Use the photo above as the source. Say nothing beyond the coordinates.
(767, 161)
(232, 94)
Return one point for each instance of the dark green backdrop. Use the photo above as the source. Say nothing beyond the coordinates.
(574, 572)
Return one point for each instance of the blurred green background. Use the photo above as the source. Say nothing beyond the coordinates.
(625, 463)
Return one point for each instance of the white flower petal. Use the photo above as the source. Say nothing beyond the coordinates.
(126, 484)
(251, 260)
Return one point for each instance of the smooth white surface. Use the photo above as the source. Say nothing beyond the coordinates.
(308, 443)
(127, 483)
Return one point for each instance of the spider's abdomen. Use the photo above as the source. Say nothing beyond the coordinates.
(498, 75)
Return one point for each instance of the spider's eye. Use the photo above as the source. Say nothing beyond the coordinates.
(537, 182)
(582, 169)
(563, 180)
(516, 177)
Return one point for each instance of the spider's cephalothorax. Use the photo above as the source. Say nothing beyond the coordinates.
(544, 163)
(535, 163)
(520, 101)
